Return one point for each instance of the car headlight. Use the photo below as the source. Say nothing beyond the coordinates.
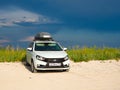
(39, 57)
(66, 58)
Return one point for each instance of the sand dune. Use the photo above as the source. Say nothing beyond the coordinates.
(93, 75)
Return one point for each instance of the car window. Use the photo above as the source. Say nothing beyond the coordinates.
(47, 47)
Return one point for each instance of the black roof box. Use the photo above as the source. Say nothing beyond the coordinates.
(43, 36)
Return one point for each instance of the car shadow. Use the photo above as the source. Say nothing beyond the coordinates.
(26, 66)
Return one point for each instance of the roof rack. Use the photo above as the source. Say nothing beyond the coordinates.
(43, 36)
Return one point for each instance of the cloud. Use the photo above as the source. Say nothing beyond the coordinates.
(16, 16)
(27, 39)
(87, 37)
(4, 41)
(87, 7)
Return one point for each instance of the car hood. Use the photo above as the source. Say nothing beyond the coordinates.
(51, 54)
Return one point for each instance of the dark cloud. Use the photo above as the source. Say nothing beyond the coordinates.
(102, 14)
(85, 7)
(85, 37)
(65, 7)
(97, 16)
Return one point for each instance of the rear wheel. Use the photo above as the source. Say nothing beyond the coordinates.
(33, 70)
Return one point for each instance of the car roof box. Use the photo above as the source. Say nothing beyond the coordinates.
(43, 36)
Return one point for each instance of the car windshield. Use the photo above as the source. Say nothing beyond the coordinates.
(47, 47)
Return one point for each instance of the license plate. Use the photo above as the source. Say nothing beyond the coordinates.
(54, 64)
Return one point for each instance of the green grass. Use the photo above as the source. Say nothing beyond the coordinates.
(76, 54)
(93, 53)
(12, 55)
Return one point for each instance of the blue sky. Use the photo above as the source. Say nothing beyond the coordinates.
(71, 22)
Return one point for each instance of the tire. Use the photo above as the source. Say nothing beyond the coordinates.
(66, 70)
(33, 70)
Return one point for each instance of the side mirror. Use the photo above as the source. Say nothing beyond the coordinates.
(65, 49)
(29, 49)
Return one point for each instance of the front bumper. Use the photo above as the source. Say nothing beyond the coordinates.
(52, 65)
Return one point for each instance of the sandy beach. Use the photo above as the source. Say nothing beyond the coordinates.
(93, 75)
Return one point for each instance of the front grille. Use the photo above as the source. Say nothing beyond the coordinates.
(54, 60)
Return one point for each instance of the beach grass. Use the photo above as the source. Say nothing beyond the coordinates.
(10, 54)
(93, 53)
(76, 54)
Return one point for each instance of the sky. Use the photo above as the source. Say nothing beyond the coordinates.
(70, 22)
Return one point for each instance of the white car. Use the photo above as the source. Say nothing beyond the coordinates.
(47, 55)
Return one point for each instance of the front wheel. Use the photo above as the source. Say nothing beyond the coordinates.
(33, 70)
(67, 70)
